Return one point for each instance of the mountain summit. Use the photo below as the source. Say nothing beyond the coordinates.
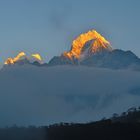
(22, 58)
(87, 44)
(92, 49)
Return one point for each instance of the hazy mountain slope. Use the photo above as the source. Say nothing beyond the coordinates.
(44, 95)
(116, 59)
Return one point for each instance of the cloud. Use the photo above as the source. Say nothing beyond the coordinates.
(41, 96)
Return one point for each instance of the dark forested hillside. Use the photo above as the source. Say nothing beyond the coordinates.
(119, 127)
(102, 130)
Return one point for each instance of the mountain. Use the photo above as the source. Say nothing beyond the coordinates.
(22, 58)
(116, 59)
(87, 44)
(62, 60)
(92, 49)
(88, 49)
(82, 47)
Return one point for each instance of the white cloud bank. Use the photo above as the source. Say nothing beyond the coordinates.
(40, 95)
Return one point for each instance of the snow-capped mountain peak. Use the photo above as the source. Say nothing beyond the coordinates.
(22, 58)
(88, 43)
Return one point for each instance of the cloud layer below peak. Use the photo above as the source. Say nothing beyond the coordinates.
(45, 95)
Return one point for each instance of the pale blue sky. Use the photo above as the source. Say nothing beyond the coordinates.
(49, 26)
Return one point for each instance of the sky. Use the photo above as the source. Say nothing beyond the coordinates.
(49, 26)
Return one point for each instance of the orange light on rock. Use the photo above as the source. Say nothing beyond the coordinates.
(22, 55)
(15, 59)
(79, 42)
(37, 56)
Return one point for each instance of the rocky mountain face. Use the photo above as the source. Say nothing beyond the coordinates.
(92, 49)
(22, 59)
(116, 59)
(88, 49)
(87, 44)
